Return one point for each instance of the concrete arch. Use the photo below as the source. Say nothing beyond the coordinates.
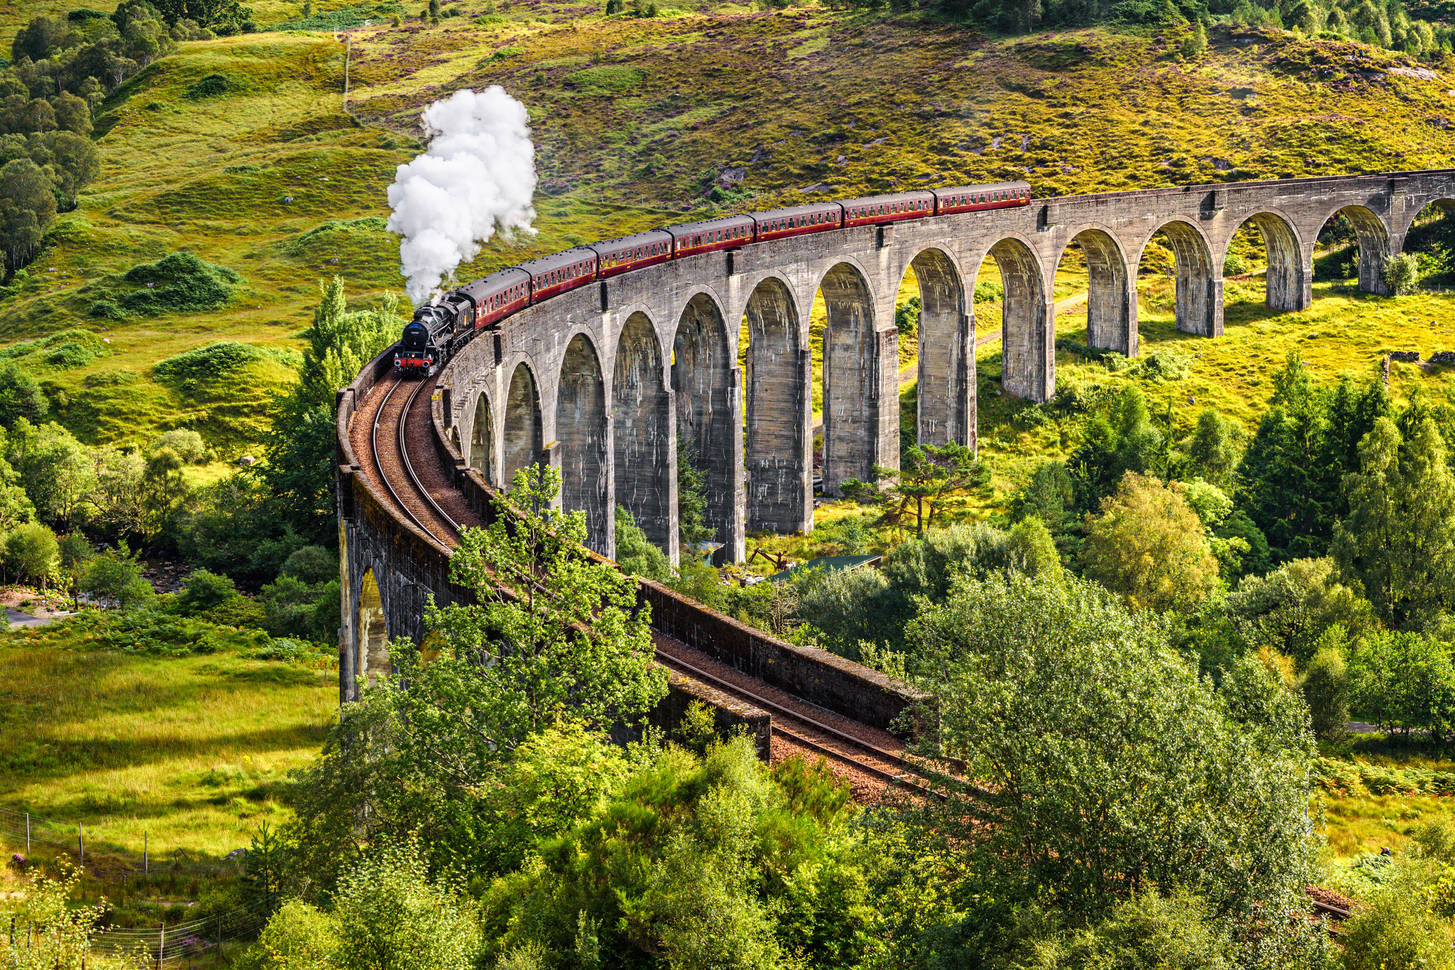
(482, 439)
(1289, 285)
(1199, 281)
(705, 385)
(1111, 297)
(642, 429)
(946, 369)
(581, 428)
(373, 632)
(850, 378)
(1439, 200)
(1028, 349)
(523, 431)
(1374, 245)
(779, 405)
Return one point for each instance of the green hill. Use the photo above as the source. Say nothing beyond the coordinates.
(240, 150)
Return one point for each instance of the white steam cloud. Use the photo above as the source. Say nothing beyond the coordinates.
(476, 178)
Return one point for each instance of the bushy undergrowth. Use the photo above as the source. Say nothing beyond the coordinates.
(64, 350)
(176, 283)
(344, 18)
(210, 363)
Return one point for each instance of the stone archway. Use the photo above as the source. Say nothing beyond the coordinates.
(1111, 320)
(850, 378)
(581, 429)
(523, 429)
(1028, 353)
(704, 387)
(1374, 246)
(373, 632)
(1289, 283)
(1199, 284)
(642, 431)
(776, 449)
(482, 439)
(945, 398)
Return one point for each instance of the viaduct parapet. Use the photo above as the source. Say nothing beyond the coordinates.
(606, 382)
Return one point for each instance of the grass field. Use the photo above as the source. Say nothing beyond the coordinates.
(190, 749)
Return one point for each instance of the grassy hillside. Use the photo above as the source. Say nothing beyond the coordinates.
(637, 121)
(114, 727)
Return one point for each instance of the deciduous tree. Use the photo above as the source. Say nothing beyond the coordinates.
(1148, 545)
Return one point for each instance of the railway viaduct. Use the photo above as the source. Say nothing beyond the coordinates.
(607, 381)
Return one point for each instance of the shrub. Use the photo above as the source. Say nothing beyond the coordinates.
(180, 282)
(185, 443)
(1396, 932)
(906, 317)
(212, 86)
(207, 364)
(311, 564)
(1402, 273)
(114, 577)
(204, 590)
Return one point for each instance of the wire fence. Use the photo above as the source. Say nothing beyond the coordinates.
(186, 943)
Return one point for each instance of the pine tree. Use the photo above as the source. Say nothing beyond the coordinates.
(1399, 536)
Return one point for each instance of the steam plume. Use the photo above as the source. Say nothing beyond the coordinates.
(476, 177)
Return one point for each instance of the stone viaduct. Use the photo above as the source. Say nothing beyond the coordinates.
(606, 380)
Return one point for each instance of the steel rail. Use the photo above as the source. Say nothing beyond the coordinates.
(404, 455)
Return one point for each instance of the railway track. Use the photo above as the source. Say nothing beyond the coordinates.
(398, 456)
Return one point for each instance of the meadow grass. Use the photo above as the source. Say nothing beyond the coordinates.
(190, 750)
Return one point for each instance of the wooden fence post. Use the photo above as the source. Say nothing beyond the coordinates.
(161, 943)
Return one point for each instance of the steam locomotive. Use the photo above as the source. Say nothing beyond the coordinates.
(440, 329)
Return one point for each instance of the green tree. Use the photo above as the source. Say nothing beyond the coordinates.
(1214, 449)
(1050, 496)
(552, 629)
(115, 578)
(299, 453)
(27, 207)
(1325, 686)
(69, 160)
(1115, 767)
(636, 554)
(223, 16)
(718, 862)
(692, 527)
(1149, 545)
(553, 636)
(205, 590)
(1404, 681)
(56, 470)
(20, 395)
(1290, 479)
(32, 553)
(1398, 539)
(1114, 444)
(925, 482)
(55, 934)
(1292, 608)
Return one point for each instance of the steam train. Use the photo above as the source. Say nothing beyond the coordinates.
(440, 329)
